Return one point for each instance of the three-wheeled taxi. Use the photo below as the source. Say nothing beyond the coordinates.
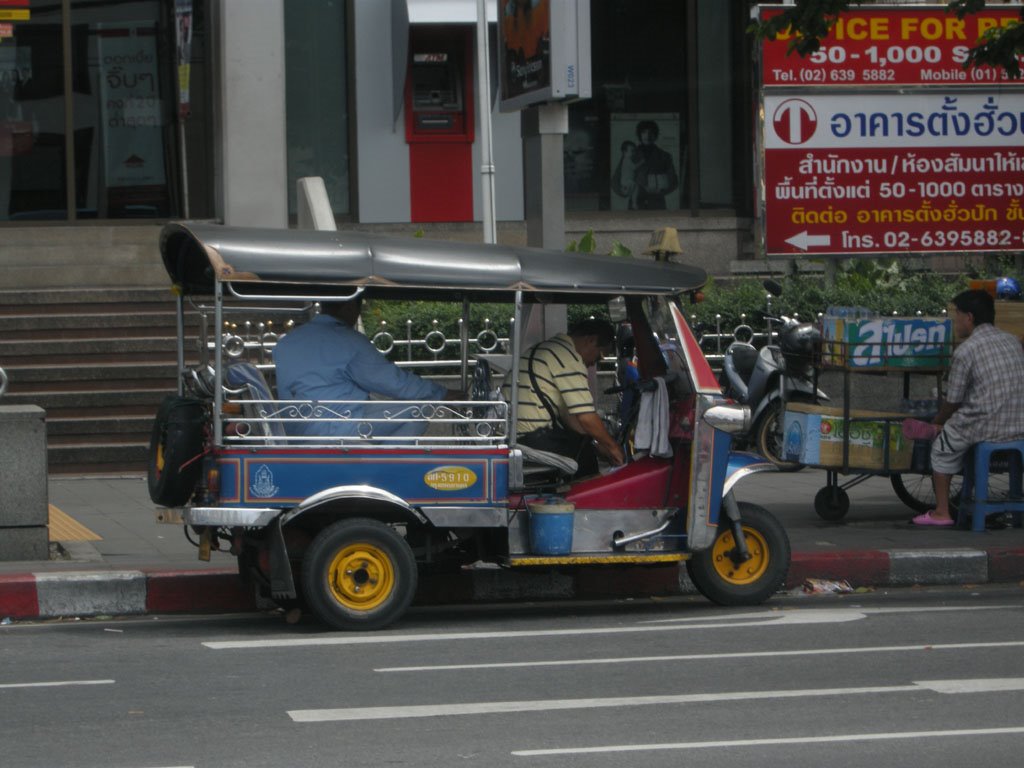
(344, 524)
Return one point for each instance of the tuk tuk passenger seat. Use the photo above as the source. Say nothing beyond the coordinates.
(251, 381)
(544, 468)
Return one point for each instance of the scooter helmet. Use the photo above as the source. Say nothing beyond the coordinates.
(799, 344)
(1007, 288)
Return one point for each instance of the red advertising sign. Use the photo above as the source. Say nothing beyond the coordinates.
(894, 172)
(933, 166)
(925, 46)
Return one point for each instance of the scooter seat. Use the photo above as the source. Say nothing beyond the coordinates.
(738, 368)
(744, 358)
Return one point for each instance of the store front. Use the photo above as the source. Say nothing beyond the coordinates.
(93, 130)
(88, 110)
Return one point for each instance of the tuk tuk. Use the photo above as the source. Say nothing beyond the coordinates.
(343, 524)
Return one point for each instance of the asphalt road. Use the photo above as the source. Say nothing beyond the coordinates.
(908, 677)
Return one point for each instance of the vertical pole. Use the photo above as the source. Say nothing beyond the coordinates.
(218, 362)
(483, 101)
(517, 352)
(70, 198)
(544, 127)
(464, 344)
(183, 159)
(180, 306)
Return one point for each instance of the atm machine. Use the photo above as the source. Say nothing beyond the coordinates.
(439, 120)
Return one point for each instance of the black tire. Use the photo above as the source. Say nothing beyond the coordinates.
(722, 581)
(831, 503)
(768, 438)
(359, 574)
(175, 450)
(918, 493)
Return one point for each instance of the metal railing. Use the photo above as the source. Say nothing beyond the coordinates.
(254, 340)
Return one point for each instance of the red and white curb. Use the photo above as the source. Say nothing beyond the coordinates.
(67, 594)
(59, 594)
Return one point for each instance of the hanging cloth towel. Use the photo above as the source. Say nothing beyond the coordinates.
(652, 421)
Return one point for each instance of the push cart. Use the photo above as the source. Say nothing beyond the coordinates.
(868, 443)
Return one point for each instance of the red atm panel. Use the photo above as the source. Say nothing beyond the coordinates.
(439, 123)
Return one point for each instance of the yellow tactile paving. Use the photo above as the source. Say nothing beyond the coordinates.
(63, 527)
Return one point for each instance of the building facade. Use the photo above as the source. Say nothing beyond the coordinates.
(119, 116)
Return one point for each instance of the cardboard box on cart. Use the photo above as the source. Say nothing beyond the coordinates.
(814, 434)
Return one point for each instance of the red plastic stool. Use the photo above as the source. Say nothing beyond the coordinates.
(974, 497)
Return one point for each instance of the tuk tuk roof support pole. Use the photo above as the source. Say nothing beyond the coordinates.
(517, 352)
(218, 362)
(464, 344)
(180, 321)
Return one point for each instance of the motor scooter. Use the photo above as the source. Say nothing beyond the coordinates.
(766, 379)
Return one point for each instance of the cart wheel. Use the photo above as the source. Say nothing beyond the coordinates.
(831, 503)
(359, 574)
(769, 438)
(918, 493)
(722, 580)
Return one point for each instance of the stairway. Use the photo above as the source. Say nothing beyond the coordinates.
(98, 361)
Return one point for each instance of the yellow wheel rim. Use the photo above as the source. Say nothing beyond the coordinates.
(746, 572)
(160, 456)
(361, 576)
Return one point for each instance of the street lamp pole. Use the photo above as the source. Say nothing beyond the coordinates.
(484, 106)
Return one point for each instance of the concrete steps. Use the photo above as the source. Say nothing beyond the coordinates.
(99, 361)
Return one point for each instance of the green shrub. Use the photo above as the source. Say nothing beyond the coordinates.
(883, 286)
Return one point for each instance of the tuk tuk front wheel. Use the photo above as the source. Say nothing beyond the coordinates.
(359, 574)
(724, 577)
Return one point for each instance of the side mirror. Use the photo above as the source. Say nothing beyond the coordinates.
(773, 287)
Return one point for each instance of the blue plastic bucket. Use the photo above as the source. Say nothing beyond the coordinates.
(551, 520)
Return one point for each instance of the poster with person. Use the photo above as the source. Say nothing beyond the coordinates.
(644, 161)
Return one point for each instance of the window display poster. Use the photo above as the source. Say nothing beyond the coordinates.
(183, 37)
(130, 107)
(644, 161)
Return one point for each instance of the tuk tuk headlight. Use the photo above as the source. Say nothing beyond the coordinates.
(731, 418)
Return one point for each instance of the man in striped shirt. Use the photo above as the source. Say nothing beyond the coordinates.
(556, 406)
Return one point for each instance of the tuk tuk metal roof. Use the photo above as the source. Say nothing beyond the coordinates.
(196, 254)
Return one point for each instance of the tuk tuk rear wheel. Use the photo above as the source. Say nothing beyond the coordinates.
(359, 574)
(721, 576)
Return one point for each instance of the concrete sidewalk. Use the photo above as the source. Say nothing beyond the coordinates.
(138, 566)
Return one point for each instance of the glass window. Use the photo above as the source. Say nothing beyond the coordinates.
(626, 148)
(107, 68)
(122, 108)
(629, 146)
(316, 79)
(32, 147)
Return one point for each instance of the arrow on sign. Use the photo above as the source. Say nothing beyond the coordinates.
(803, 241)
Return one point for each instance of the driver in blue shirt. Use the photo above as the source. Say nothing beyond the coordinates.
(329, 359)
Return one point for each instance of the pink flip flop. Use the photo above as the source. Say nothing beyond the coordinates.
(915, 429)
(927, 519)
